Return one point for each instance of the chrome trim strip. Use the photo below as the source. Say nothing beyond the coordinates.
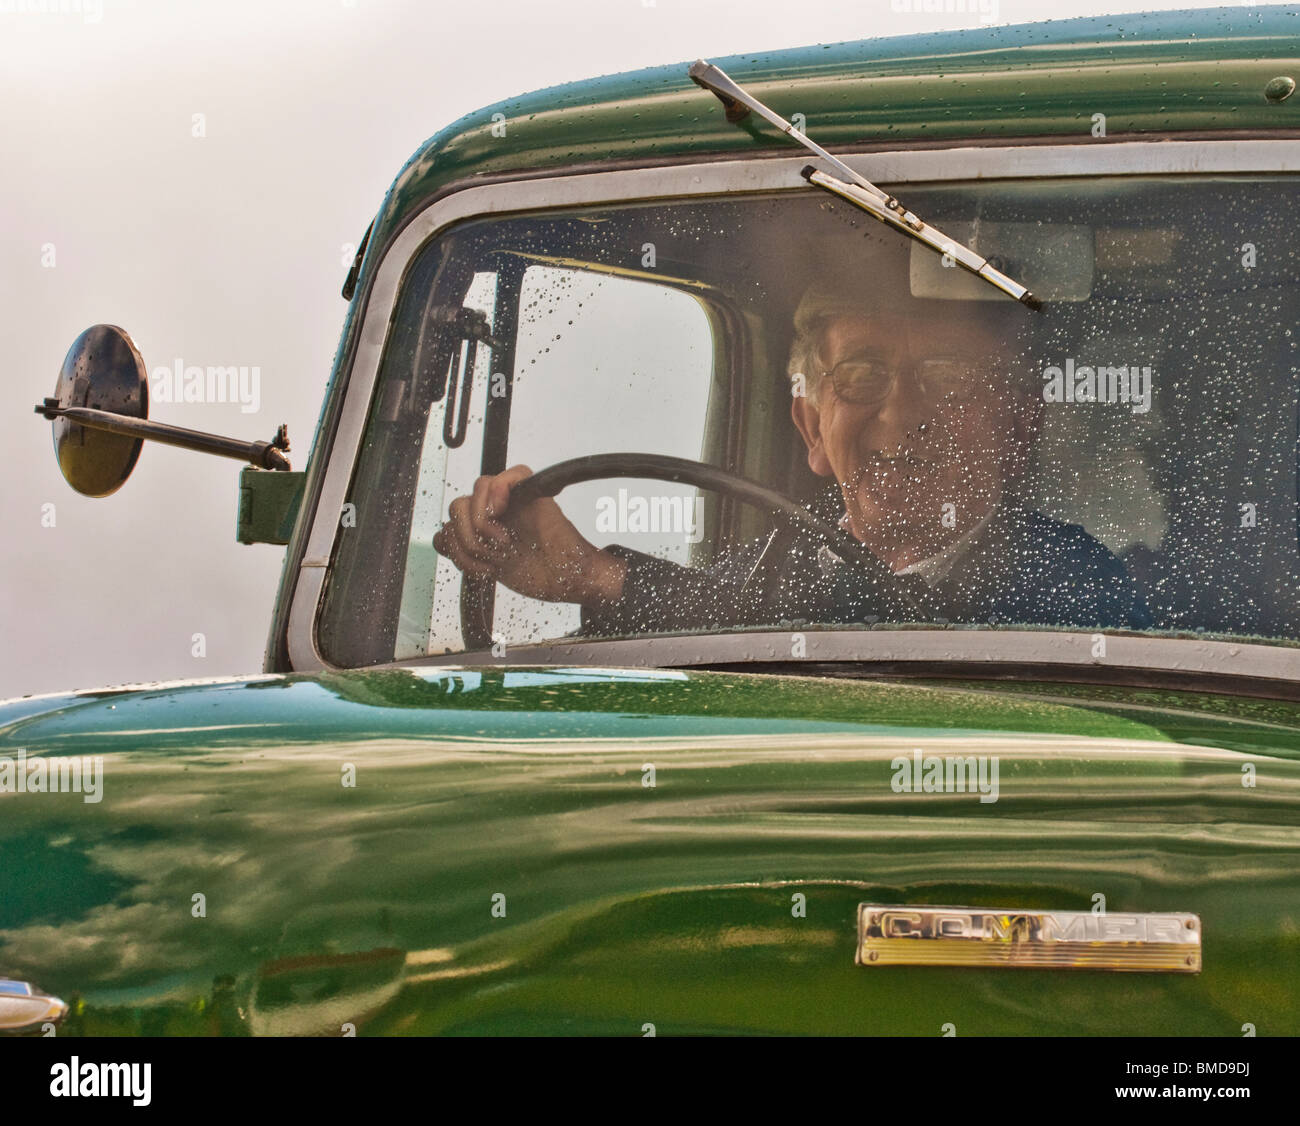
(891, 934)
(1106, 158)
(301, 639)
(1028, 647)
(23, 1007)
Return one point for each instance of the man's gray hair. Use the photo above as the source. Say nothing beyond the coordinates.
(825, 300)
(805, 361)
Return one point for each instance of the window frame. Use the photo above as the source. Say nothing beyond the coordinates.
(1274, 661)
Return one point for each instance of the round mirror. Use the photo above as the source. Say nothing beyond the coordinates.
(103, 370)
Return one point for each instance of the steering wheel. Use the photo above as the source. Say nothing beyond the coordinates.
(791, 517)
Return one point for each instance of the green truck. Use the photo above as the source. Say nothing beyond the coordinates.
(794, 543)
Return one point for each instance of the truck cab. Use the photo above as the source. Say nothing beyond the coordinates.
(793, 543)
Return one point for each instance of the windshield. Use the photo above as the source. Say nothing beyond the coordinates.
(1123, 458)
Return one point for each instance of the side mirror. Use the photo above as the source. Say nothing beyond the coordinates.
(104, 371)
(100, 412)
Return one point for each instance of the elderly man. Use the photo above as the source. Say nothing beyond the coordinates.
(906, 407)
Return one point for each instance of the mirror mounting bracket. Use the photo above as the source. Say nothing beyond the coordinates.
(100, 416)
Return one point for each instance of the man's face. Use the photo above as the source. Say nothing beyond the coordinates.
(900, 459)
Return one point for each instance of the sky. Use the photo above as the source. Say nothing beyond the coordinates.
(197, 173)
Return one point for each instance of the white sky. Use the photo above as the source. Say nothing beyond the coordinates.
(228, 250)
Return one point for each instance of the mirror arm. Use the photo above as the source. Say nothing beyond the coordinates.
(265, 455)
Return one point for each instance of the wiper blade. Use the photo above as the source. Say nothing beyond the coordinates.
(853, 187)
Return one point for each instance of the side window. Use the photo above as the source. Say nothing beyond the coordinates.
(427, 621)
(635, 354)
(638, 356)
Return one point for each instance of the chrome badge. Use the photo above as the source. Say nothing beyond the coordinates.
(995, 937)
(24, 1007)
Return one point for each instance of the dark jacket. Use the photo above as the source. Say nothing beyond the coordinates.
(1021, 567)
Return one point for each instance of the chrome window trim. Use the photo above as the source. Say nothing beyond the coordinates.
(1132, 158)
(1043, 647)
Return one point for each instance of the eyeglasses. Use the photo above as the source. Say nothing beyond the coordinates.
(867, 380)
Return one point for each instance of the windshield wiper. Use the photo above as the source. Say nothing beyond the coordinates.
(857, 189)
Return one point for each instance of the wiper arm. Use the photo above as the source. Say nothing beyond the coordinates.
(855, 188)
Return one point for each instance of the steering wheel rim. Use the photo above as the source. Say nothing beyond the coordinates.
(476, 594)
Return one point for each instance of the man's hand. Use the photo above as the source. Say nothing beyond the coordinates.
(533, 549)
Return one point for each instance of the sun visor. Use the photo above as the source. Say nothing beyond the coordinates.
(1054, 261)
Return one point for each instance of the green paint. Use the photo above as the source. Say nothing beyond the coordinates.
(372, 905)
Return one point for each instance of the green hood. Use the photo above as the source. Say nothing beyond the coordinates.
(501, 862)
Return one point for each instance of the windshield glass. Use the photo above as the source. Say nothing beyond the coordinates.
(1123, 458)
